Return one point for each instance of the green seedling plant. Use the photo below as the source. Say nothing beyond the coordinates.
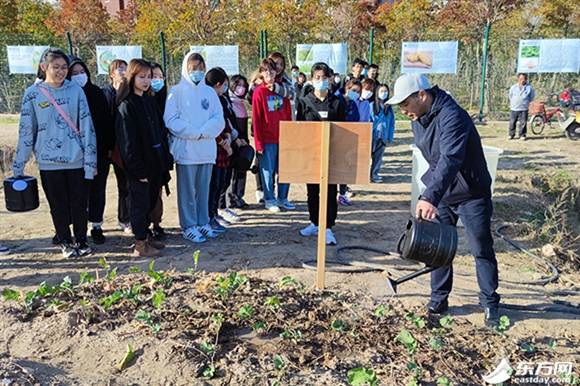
(85, 278)
(503, 324)
(196, 259)
(127, 358)
(361, 376)
(108, 301)
(10, 295)
(528, 347)
(436, 343)
(446, 321)
(289, 281)
(207, 348)
(145, 317)
(280, 367)
(338, 325)
(135, 269)
(406, 338)
(380, 311)
(246, 312)
(209, 371)
(273, 303)
(158, 298)
(159, 277)
(259, 326)
(291, 334)
(228, 285)
(417, 320)
(443, 381)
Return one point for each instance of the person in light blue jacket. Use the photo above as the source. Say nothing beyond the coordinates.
(56, 125)
(383, 129)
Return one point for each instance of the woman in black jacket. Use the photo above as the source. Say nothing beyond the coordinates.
(117, 70)
(103, 124)
(144, 150)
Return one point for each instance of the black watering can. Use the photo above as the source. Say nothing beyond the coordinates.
(431, 243)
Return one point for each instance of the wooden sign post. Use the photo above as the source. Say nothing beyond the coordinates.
(324, 153)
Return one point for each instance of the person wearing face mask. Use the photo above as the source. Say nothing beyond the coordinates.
(105, 134)
(194, 118)
(351, 98)
(159, 91)
(366, 97)
(383, 129)
(294, 71)
(144, 150)
(238, 91)
(321, 105)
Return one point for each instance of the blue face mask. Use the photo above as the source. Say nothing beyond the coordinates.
(321, 85)
(353, 95)
(365, 72)
(157, 84)
(196, 76)
(225, 88)
(383, 95)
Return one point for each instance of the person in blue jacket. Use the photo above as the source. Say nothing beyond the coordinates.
(458, 184)
(383, 121)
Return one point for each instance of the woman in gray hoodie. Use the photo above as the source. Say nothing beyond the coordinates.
(56, 124)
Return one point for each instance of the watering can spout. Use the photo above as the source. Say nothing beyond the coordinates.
(393, 283)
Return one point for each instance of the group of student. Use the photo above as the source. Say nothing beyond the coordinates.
(77, 130)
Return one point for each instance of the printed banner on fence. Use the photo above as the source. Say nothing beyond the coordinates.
(335, 55)
(549, 55)
(429, 57)
(226, 57)
(24, 59)
(106, 54)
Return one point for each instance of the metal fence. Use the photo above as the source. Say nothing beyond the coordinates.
(464, 86)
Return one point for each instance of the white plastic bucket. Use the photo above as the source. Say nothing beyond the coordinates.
(420, 167)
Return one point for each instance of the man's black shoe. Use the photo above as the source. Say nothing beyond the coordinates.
(56, 240)
(159, 233)
(97, 236)
(491, 315)
(437, 308)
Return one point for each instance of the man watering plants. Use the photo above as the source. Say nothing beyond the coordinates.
(458, 185)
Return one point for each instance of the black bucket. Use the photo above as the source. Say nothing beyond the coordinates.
(21, 193)
(243, 158)
(431, 243)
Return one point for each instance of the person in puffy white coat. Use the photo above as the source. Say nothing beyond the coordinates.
(194, 118)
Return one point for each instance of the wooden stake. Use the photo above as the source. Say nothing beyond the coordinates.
(324, 158)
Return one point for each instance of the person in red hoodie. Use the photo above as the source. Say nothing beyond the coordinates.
(268, 109)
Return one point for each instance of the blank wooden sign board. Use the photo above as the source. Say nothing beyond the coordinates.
(324, 153)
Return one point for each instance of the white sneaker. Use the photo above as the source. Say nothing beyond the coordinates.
(330, 239)
(229, 215)
(310, 230)
(193, 235)
(125, 227)
(285, 204)
(272, 207)
(259, 197)
(207, 231)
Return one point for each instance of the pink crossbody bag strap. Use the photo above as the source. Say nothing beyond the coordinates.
(59, 109)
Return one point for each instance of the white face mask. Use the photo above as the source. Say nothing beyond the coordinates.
(366, 94)
(80, 79)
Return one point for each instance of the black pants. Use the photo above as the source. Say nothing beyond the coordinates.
(313, 191)
(124, 201)
(476, 218)
(218, 179)
(516, 116)
(144, 196)
(98, 191)
(258, 174)
(67, 194)
(238, 187)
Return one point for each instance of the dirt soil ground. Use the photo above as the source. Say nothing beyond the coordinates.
(266, 246)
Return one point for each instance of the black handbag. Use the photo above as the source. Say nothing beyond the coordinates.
(21, 193)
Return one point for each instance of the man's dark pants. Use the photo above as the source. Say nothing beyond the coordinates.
(475, 215)
(522, 117)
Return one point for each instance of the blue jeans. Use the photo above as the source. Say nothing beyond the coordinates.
(377, 158)
(269, 171)
(476, 218)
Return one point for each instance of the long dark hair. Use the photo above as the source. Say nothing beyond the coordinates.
(135, 67)
(161, 95)
(378, 102)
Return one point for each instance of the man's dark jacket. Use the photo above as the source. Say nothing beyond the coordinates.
(452, 147)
